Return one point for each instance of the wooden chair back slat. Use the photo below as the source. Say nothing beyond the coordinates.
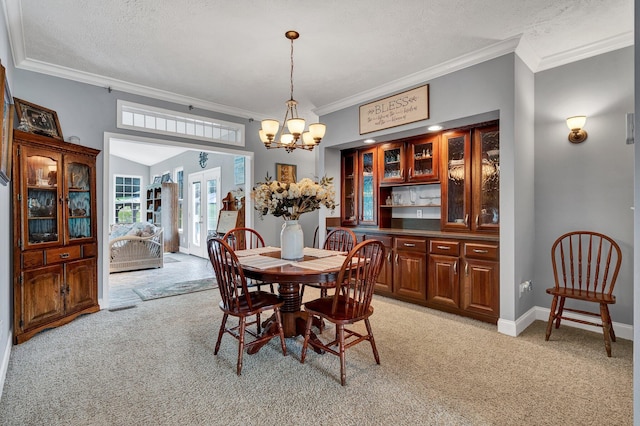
(591, 259)
(358, 276)
(232, 283)
(340, 239)
(242, 238)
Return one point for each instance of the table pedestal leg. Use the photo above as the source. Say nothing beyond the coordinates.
(294, 320)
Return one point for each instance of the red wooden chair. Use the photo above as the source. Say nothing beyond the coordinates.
(339, 239)
(243, 238)
(237, 301)
(351, 303)
(585, 268)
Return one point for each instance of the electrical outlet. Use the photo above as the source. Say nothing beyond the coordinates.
(525, 286)
(419, 214)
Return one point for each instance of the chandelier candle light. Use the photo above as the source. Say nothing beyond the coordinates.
(290, 200)
(297, 136)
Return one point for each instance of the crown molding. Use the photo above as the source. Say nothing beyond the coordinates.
(490, 52)
(587, 51)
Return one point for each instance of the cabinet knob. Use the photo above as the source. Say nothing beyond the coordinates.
(480, 251)
(409, 245)
(444, 247)
(410, 172)
(64, 255)
(466, 269)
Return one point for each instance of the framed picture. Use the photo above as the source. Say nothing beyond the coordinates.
(157, 179)
(238, 170)
(6, 130)
(403, 108)
(286, 172)
(38, 119)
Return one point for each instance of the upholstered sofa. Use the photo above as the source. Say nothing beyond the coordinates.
(135, 246)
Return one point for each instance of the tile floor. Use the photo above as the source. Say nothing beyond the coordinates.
(178, 267)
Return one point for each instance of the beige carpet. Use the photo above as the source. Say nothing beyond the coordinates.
(155, 365)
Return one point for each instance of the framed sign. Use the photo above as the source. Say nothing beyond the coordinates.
(403, 108)
(238, 171)
(39, 120)
(286, 172)
(6, 133)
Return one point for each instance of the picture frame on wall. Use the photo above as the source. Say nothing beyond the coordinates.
(6, 129)
(286, 172)
(38, 119)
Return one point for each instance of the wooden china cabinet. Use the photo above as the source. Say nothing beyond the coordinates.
(414, 160)
(471, 185)
(54, 233)
(359, 187)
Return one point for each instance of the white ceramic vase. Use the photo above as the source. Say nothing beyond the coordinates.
(291, 240)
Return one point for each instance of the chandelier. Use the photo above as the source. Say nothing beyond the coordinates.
(297, 136)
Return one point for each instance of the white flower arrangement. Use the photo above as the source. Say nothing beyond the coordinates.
(290, 200)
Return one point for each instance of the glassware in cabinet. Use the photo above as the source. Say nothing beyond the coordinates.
(392, 169)
(422, 159)
(41, 201)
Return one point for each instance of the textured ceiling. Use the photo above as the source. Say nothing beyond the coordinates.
(233, 56)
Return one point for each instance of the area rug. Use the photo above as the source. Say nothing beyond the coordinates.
(150, 293)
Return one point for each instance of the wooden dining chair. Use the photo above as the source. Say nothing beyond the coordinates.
(243, 238)
(351, 303)
(339, 239)
(585, 268)
(237, 301)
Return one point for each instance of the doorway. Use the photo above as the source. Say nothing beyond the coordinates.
(205, 201)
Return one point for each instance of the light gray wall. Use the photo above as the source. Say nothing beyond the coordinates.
(524, 179)
(6, 248)
(588, 185)
(636, 232)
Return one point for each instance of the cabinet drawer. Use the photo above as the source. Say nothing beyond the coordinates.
(32, 259)
(62, 254)
(481, 251)
(89, 250)
(446, 247)
(384, 239)
(411, 244)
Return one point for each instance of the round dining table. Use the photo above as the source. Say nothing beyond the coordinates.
(289, 277)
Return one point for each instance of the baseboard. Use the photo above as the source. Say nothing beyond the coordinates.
(5, 362)
(514, 328)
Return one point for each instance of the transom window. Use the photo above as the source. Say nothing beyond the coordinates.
(157, 120)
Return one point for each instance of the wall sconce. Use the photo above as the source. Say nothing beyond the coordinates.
(576, 124)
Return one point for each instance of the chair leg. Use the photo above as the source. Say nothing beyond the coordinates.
(323, 292)
(280, 331)
(258, 322)
(307, 334)
(606, 328)
(343, 362)
(220, 333)
(552, 315)
(302, 286)
(243, 324)
(372, 341)
(560, 310)
(613, 334)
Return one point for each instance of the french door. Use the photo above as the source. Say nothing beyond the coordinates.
(205, 201)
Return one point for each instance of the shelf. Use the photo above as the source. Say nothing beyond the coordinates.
(409, 205)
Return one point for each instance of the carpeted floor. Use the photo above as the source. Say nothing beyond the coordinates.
(155, 365)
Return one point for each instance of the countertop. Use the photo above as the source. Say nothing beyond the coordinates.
(426, 233)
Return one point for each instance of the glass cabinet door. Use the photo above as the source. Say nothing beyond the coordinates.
(349, 209)
(487, 178)
(368, 187)
(392, 163)
(41, 197)
(422, 159)
(456, 185)
(78, 185)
